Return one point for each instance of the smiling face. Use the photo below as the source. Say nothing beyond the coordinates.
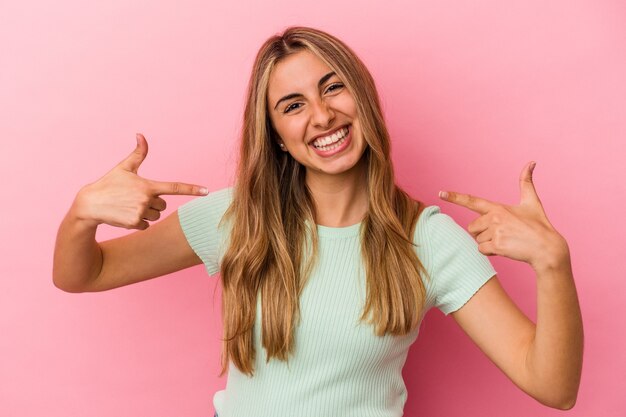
(314, 115)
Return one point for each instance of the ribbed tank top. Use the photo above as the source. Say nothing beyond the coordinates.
(339, 366)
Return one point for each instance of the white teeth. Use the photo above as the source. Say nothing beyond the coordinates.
(333, 146)
(332, 139)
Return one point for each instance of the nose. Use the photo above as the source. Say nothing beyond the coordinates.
(322, 114)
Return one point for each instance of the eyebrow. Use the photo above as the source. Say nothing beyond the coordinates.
(294, 95)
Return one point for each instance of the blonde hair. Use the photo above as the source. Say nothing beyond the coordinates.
(272, 212)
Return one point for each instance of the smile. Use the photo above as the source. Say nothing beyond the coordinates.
(330, 142)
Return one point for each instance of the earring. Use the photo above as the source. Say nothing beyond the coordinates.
(282, 145)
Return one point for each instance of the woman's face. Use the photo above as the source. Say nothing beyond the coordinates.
(314, 114)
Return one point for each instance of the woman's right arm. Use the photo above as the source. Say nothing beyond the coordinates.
(121, 198)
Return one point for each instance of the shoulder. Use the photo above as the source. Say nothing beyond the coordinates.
(201, 222)
(439, 238)
(434, 227)
(451, 258)
(205, 213)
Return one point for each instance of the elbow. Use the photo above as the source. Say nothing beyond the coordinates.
(66, 285)
(567, 403)
(558, 395)
(564, 401)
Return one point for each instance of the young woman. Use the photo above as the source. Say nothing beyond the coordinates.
(327, 266)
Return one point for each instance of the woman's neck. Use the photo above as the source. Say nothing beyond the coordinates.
(340, 199)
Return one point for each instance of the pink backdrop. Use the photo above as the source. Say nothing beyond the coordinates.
(472, 91)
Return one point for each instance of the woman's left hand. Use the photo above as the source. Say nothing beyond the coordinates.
(520, 232)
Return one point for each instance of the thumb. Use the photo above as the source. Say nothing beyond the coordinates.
(134, 160)
(528, 194)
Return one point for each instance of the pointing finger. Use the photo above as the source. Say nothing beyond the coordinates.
(177, 188)
(134, 160)
(477, 204)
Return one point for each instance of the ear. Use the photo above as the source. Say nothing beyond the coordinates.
(274, 136)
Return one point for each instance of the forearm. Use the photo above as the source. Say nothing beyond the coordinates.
(554, 359)
(77, 255)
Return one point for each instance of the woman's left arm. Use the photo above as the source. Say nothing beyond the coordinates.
(543, 359)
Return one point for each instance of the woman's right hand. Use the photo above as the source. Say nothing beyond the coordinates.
(124, 199)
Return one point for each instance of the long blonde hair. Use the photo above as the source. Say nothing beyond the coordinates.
(272, 247)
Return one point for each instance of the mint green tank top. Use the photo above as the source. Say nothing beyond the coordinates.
(339, 366)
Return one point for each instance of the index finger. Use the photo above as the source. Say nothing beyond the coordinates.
(177, 188)
(477, 204)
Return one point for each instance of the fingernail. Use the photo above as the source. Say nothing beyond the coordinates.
(532, 167)
(137, 137)
(443, 194)
(203, 190)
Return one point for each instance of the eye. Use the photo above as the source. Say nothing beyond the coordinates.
(292, 107)
(334, 87)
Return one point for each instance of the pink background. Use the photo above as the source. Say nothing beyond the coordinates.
(471, 90)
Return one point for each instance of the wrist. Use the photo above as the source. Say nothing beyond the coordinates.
(554, 257)
(79, 212)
